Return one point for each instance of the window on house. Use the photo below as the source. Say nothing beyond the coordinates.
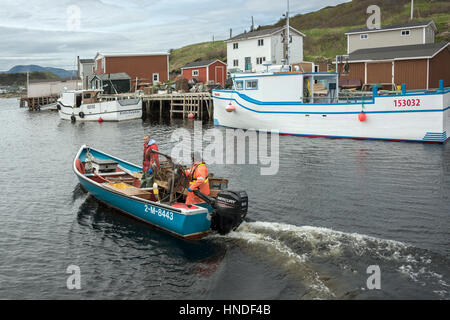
(260, 42)
(251, 84)
(156, 77)
(405, 33)
(260, 60)
(235, 63)
(364, 36)
(235, 45)
(195, 73)
(239, 85)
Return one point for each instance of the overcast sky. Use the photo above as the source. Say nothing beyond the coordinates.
(53, 33)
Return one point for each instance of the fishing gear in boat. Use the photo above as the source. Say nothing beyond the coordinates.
(116, 183)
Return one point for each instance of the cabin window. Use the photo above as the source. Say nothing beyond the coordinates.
(260, 42)
(87, 96)
(405, 33)
(364, 36)
(235, 63)
(235, 45)
(251, 84)
(195, 73)
(239, 85)
(260, 60)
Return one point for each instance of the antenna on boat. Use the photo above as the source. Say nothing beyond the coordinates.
(288, 36)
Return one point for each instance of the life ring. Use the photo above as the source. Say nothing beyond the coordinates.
(81, 114)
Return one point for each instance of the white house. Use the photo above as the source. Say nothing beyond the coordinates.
(251, 50)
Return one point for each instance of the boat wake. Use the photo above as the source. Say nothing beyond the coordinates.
(333, 264)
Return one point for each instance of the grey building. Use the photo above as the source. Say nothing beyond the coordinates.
(85, 70)
(111, 83)
(390, 36)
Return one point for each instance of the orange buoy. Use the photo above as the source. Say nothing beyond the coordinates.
(362, 116)
(191, 116)
(100, 120)
(230, 108)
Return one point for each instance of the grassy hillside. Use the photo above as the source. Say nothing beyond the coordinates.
(20, 79)
(325, 28)
(196, 52)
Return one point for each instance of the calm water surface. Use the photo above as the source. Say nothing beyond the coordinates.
(335, 208)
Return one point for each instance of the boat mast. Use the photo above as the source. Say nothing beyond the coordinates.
(288, 38)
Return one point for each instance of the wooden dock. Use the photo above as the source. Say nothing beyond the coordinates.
(35, 103)
(199, 104)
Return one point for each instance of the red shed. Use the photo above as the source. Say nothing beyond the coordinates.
(209, 70)
(149, 68)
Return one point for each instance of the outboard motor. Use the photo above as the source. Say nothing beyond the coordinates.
(230, 209)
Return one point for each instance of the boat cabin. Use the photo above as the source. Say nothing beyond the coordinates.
(75, 98)
(317, 87)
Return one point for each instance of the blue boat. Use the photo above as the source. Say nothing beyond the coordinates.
(116, 182)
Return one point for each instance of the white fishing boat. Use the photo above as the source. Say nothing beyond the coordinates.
(309, 104)
(88, 105)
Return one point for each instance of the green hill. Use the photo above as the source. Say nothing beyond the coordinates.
(20, 79)
(325, 28)
(197, 52)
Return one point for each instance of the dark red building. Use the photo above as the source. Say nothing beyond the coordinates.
(148, 68)
(204, 71)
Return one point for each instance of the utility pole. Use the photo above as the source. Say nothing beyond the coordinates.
(288, 38)
(253, 25)
(28, 83)
(231, 33)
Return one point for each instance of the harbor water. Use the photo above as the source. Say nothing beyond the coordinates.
(336, 210)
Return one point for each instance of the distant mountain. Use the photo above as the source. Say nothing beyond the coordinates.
(62, 73)
(20, 79)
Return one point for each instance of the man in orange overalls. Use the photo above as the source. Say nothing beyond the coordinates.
(150, 162)
(198, 179)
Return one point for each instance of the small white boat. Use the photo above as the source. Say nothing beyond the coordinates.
(87, 105)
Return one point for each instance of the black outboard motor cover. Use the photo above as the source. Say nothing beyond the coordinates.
(230, 209)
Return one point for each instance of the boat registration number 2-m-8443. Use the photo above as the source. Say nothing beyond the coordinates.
(159, 211)
(407, 103)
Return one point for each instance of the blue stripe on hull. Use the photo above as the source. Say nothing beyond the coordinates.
(435, 136)
(342, 137)
(327, 112)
